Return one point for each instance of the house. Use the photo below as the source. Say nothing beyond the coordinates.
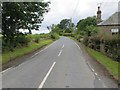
(111, 26)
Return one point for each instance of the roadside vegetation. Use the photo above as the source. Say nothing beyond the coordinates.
(7, 56)
(111, 65)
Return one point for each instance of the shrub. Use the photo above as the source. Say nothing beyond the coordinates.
(37, 37)
(112, 48)
(55, 36)
(22, 40)
(111, 45)
(85, 40)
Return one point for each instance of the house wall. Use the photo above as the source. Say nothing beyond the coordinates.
(106, 30)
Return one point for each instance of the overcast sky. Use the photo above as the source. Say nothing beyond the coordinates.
(77, 10)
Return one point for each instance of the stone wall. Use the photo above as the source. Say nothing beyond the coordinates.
(106, 30)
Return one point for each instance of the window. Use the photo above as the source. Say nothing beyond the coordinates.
(114, 31)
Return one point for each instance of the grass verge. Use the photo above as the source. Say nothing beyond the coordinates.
(111, 65)
(7, 56)
(71, 37)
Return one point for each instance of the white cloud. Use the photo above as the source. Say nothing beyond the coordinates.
(61, 9)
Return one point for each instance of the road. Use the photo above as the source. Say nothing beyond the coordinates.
(60, 65)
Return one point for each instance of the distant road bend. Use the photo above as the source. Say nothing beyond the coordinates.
(60, 65)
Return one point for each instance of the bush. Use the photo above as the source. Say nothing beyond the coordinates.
(37, 37)
(22, 40)
(85, 40)
(111, 45)
(55, 36)
(7, 46)
(68, 34)
(112, 48)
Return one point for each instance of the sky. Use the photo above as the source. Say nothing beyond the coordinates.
(77, 10)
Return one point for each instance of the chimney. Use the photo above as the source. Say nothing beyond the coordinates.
(99, 15)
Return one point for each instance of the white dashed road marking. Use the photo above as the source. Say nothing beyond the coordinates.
(45, 78)
(63, 46)
(60, 53)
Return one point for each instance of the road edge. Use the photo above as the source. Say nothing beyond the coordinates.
(6, 66)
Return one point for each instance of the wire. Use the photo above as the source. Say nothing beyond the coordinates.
(75, 8)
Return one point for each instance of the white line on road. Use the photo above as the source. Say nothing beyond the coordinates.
(35, 54)
(60, 53)
(96, 74)
(31, 56)
(93, 70)
(77, 45)
(45, 78)
(7, 69)
(63, 46)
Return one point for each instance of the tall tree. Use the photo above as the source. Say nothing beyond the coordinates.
(82, 24)
(17, 15)
(65, 23)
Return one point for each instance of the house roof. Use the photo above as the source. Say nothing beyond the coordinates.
(113, 20)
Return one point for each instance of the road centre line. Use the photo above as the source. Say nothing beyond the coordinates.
(60, 53)
(63, 46)
(93, 70)
(96, 74)
(45, 78)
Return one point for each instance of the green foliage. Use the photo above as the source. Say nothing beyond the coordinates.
(55, 29)
(22, 40)
(6, 56)
(112, 48)
(82, 24)
(85, 40)
(36, 36)
(68, 34)
(65, 23)
(17, 15)
(65, 26)
(91, 30)
(55, 36)
(68, 30)
(111, 45)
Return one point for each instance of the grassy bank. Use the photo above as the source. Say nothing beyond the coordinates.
(71, 37)
(111, 65)
(21, 51)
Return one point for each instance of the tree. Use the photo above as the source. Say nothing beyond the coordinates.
(82, 24)
(65, 23)
(17, 15)
(92, 30)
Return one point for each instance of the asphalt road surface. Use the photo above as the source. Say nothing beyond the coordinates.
(60, 65)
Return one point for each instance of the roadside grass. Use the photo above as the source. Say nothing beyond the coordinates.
(106, 61)
(71, 37)
(7, 56)
(1, 35)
